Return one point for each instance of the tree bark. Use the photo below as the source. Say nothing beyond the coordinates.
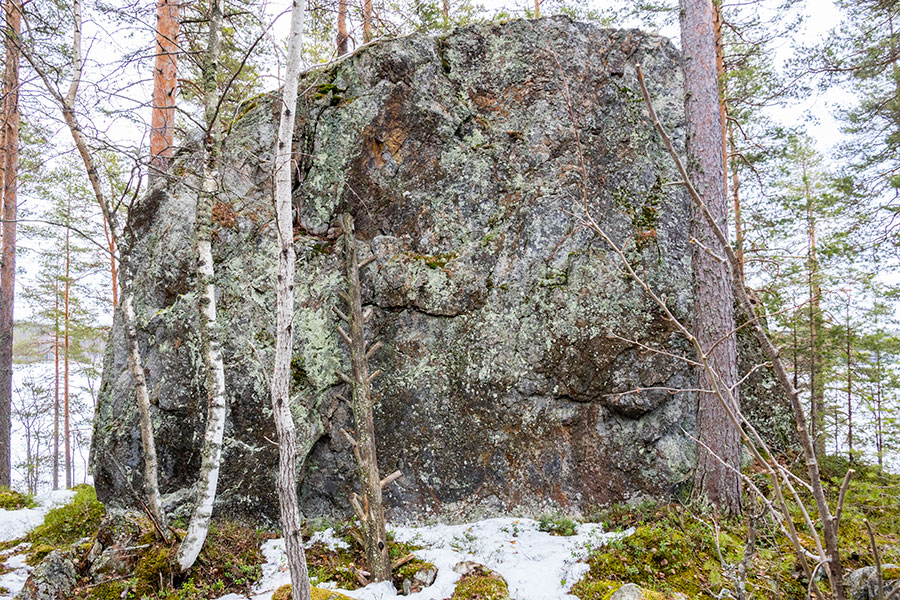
(67, 436)
(367, 21)
(816, 384)
(10, 160)
(827, 520)
(878, 414)
(113, 267)
(849, 389)
(165, 83)
(342, 35)
(370, 509)
(56, 386)
(289, 507)
(717, 480)
(211, 347)
(135, 363)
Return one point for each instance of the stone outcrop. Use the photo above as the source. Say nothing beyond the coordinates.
(512, 338)
(53, 579)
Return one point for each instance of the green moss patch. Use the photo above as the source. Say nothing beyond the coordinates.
(316, 593)
(230, 562)
(13, 500)
(675, 551)
(481, 584)
(67, 524)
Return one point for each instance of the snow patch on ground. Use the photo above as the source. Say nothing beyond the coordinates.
(14, 524)
(535, 564)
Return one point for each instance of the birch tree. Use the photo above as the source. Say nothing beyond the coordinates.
(66, 103)
(284, 309)
(208, 479)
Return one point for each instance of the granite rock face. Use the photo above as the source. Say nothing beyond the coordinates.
(511, 334)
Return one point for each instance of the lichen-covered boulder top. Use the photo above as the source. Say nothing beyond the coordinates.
(512, 337)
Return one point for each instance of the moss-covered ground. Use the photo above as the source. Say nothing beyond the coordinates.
(685, 548)
(13, 500)
(480, 584)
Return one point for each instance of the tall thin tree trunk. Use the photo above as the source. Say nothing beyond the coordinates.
(720, 76)
(878, 400)
(736, 200)
(10, 159)
(165, 83)
(289, 507)
(370, 509)
(795, 349)
(827, 520)
(135, 363)
(537, 9)
(816, 385)
(878, 413)
(717, 476)
(113, 267)
(445, 10)
(67, 437)
(208, 479)
(342, 35)
(849, 388)
(56, 384)
(367, 21)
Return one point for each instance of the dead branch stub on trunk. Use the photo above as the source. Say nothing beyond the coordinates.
(368, 507)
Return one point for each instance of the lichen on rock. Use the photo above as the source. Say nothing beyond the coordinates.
(518, 358)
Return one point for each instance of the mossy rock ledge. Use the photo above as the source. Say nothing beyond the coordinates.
(504, 323)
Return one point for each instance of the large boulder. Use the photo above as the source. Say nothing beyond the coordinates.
(521, 365)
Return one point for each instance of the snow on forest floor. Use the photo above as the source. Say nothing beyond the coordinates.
(535, 564)
(15, 524)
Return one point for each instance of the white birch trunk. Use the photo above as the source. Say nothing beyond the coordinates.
(284, 308)
(135, 362)
(211, 455)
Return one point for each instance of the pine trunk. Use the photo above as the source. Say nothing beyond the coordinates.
(816, 385)
(66, 431)
(849, 389)
(367, 21)
(165, 74)
(113, 268)
(878, 414)
(10, 166)
(289, 507)
(342, 35)
(211, 460)
(56, 387)
(717, 476)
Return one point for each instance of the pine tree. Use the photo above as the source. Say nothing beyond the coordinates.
(717, 476)
(9, 163)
